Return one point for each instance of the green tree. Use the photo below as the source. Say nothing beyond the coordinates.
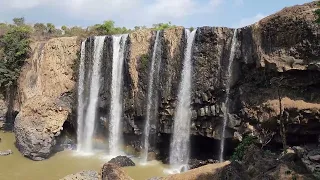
(18, 21)
(106, 28)
(15, 44)
(40, 28)
(64, 28)
(139, 27)
(51, 28)
(163, 26)
(76, 31)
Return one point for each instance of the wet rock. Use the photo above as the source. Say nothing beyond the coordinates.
(315, 158)
(3, 110)
(122, 161)
(5, 153)
(111, 171)
(207, 172)
(202, 112)
(83, 175)
(156, 178)
(195, 163)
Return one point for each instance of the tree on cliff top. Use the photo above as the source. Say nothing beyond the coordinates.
(163, 26)
(107, 28)
(15, 46)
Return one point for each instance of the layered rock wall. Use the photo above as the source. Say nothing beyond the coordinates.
(45, 86)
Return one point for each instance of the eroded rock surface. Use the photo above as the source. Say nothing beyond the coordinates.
(45, 87)
(113, 172)
(84, 175)
(122, 161)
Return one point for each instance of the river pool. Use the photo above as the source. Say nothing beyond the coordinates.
(17, 167)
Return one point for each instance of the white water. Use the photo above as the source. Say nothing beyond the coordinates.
(90, 118)
(115, 134)
(226, 103)
(179, 150)
(150, 102)
(80, 107)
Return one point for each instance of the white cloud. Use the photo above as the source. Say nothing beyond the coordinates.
(22, 4)
(248, 21)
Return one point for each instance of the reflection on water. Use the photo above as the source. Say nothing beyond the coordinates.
(16, 166)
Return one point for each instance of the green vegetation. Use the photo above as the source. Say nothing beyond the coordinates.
(14, 49)
(163, 26)
(144, 61)
(107, 28)
(43, 31)
(317, 12)
(242, 148)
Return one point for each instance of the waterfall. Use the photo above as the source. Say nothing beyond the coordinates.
(228, 84)
(115, 132)
(80, 107)
(151, 103)
(90, 116)
(179, 150)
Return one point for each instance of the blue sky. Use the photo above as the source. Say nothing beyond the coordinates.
(129, 13)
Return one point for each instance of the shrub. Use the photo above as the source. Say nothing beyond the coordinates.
(317, 13)
(242, 147)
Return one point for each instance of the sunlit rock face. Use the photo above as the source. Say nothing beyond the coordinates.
(44, 90)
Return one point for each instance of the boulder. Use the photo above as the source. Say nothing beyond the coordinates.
(195, 163)
(260, 165)
(112, 171)
(83, 175)
(310, 158)
(122, 161)
(5, 153)
(207, 172)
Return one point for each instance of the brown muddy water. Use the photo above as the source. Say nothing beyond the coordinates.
(17, 167)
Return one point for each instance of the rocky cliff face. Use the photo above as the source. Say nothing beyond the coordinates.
(279, 58)
(276, 58)
(45, 85)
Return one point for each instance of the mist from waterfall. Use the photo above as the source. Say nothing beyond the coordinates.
(179, 149)
(86, 125)
(115, 133)
(152, 101)
(227, 100)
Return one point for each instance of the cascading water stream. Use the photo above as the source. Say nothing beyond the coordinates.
(150, 101)
(115, 133)
(179, 150)
(80, 107)
(90, 117)
(228, 84)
